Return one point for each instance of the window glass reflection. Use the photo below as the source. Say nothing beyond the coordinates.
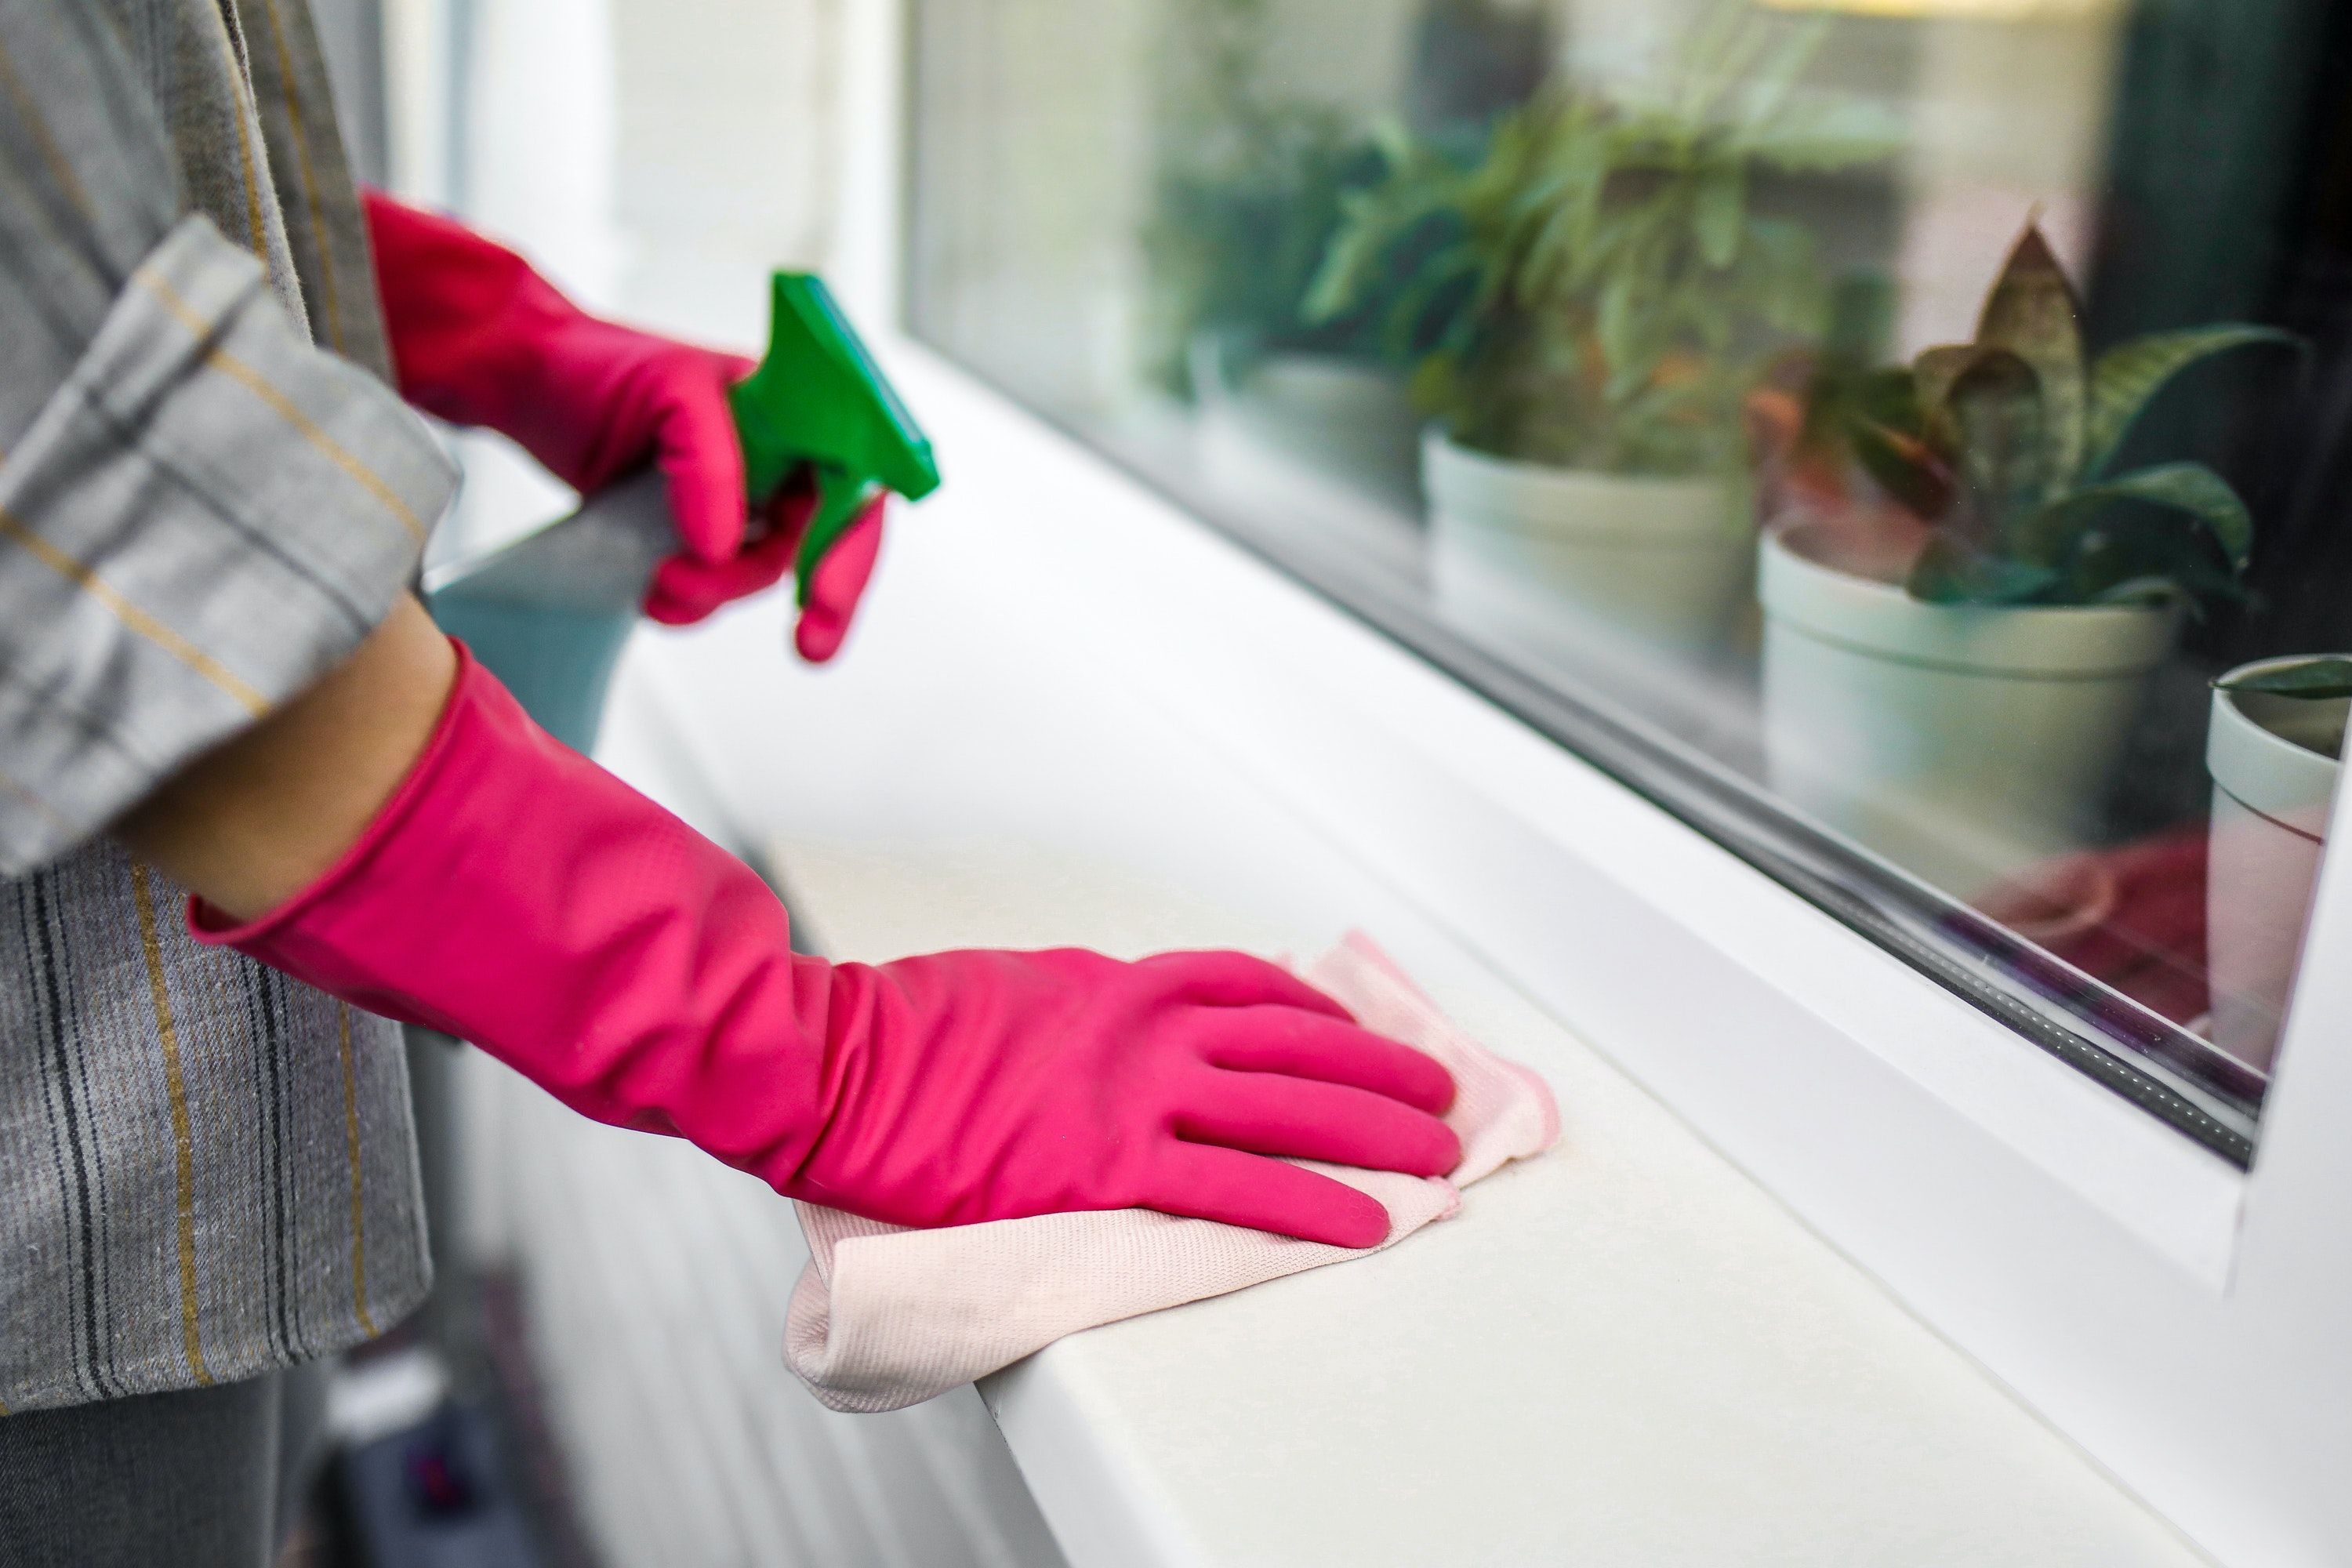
(1904, 437)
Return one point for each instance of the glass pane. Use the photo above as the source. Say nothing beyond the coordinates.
(1908, 438)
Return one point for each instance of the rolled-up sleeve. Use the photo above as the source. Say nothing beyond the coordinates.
(200, 511)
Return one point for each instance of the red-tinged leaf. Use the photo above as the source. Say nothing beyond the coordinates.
(1905, 466)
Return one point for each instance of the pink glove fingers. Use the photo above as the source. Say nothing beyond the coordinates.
(686, 590)
(838, 583)
(1238, 980)
(696, 447)
(1205, 1182)
(1308, 1046)
(1299, 1119)
(480, 338)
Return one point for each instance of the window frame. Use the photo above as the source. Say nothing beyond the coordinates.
(2177, 1318)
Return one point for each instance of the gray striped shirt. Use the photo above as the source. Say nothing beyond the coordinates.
(208, 496)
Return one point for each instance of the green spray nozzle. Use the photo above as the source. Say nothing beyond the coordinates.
(549, 613)
(818, 399)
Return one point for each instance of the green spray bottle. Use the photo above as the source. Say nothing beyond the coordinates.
(548, 614)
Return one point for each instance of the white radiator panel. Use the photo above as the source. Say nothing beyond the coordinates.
(655, 1282)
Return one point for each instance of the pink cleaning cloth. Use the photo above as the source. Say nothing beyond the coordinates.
(886, 1317)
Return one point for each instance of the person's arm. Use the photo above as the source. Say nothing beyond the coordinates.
(255, 821)
(202, 514)
(516, 895)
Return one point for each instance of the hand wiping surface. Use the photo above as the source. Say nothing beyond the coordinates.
(886, 1317)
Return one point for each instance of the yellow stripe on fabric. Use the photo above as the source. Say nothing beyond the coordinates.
(310, 181)
(51, 153)
(240, 92)
(85, 577)
(253, 381)
(359, 1207)
(143, 894)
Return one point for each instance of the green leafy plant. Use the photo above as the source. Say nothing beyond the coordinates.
(2008, 447)
(1598, 285)
(2318, 678)
(1235, 252)
(1250, 189)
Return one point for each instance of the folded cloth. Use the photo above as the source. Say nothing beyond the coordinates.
(886, 1317)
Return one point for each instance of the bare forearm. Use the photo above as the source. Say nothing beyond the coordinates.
(251, 824)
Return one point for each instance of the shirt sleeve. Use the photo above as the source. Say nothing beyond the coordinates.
(200, 512)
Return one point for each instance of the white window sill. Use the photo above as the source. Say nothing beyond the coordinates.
(1621, 1353)
(1625, 1353)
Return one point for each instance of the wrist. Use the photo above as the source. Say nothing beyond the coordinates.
(249, 824)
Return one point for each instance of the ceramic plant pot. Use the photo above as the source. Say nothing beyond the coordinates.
(1963, 742)
(1578, 567)
(1336, 418)
(2275, 762)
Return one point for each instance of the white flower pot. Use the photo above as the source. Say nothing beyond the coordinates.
(1963, 742)
(1332, 417)
(1578, 567)
(2275, 762)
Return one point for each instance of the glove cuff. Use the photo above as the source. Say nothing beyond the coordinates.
(516, 895)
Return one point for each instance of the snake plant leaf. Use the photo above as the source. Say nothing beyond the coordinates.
(1938, 370)
(2316, 679)
(2127, 378)
(1994, 418)
(2189, 488)
(2033, 311)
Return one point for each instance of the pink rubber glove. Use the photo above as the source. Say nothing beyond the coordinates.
(479, 338)
(516, 895)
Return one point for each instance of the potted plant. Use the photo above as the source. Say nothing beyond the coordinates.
(1965, 590)
(2274, 750)
(1249, 193)
(1592, 293)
